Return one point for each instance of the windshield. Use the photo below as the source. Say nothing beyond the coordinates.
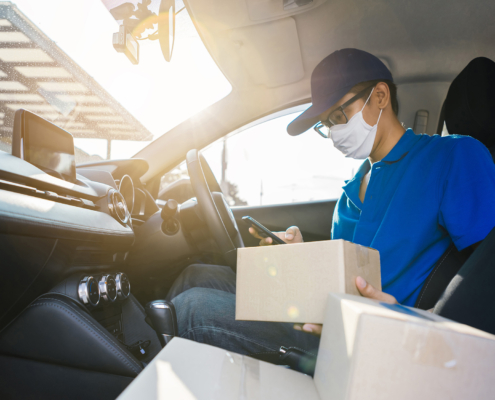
(57, 60)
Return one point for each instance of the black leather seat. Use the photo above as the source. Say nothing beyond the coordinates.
(468, 110)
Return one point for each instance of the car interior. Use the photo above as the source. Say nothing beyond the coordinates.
(88, 249)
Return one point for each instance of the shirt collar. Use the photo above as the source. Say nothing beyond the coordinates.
(400, 150)
(403, 146)
(351, 187)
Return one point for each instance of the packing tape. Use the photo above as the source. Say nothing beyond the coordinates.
(362, 256)
(429, 346)
(239, 378)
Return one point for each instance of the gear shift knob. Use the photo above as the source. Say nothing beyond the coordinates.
(164, 319)
(169, 209)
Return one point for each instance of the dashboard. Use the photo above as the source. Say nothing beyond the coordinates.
(71, 239)
(52, 228)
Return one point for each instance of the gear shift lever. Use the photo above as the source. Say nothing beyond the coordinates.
(164, 319)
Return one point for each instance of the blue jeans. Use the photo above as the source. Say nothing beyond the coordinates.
(204, 297)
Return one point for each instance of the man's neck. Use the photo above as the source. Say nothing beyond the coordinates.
(387, 137)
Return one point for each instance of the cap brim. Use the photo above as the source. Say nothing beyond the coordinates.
(312, 114)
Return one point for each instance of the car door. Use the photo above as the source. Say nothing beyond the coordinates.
(278, 179)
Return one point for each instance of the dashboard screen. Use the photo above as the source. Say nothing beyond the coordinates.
(45, 145)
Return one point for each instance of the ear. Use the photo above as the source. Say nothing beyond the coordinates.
(381, 95)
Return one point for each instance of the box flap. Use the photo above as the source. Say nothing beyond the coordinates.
(404, 313)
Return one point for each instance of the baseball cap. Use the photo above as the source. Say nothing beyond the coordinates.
(332, 78)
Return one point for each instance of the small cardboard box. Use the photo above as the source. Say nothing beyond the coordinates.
(368, 351)
(290, 283)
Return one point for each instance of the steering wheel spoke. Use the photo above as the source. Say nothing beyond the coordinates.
(216, 212)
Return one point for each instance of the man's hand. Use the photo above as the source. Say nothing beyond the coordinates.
(369, 291)
(291, 235)
(366, 290)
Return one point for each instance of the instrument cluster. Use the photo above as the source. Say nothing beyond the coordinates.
(126, 188)
(107, 288)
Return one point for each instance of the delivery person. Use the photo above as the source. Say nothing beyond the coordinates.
(412, 197)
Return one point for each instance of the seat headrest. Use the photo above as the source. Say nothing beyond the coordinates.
(470, 102)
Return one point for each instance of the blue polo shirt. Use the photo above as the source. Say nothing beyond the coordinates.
(428, 192)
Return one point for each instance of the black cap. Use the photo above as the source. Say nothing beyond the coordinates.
(333, 78)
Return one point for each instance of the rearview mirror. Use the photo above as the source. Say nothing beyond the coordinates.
(136, 18)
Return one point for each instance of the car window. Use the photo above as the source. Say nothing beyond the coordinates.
(263, 165)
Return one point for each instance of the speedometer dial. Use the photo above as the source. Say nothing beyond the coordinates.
(126, 189)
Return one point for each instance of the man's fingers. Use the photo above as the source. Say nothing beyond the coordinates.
(369, 291)
(291, 232)
(253, 232)
(314, 329)
(266, 241)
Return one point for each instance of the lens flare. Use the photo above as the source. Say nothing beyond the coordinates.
(293, 312)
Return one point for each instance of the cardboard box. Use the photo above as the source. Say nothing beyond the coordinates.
(290, 283)
(188, 370)
(368, 351)
(374, 351)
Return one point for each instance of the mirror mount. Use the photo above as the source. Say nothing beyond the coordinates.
(166, 28)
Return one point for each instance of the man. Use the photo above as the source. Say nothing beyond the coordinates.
(412, 197)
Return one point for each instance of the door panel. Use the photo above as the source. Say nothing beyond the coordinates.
(314, 218)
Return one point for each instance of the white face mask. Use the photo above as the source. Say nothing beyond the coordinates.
(355, 139)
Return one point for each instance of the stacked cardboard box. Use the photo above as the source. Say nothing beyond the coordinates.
(368, 350)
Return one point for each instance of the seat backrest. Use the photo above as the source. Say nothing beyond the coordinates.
(468, 110)
(439, 278)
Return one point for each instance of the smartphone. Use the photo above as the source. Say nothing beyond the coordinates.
(261, 230)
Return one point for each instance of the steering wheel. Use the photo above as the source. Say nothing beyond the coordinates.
(216, 212)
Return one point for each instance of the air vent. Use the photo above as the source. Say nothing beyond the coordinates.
(45, 194)
(118, 207)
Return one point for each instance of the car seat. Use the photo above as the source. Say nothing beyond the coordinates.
(468, 110)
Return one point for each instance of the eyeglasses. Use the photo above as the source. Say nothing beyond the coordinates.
(338, 116)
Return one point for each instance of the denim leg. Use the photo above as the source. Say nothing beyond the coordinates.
(205, 276)
(208, 316)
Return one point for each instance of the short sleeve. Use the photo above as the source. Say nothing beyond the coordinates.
(467, 208)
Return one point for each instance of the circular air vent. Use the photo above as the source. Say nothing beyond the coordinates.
(117, 206)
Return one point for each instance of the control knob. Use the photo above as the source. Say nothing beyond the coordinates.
(88, 291)
(123, 286)
(108, 288)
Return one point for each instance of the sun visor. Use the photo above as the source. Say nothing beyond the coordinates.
(270, 52)
(271, 9)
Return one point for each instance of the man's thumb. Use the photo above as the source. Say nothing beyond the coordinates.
(289, 234)
(365, 289)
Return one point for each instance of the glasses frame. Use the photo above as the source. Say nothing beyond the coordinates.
(328, 123)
